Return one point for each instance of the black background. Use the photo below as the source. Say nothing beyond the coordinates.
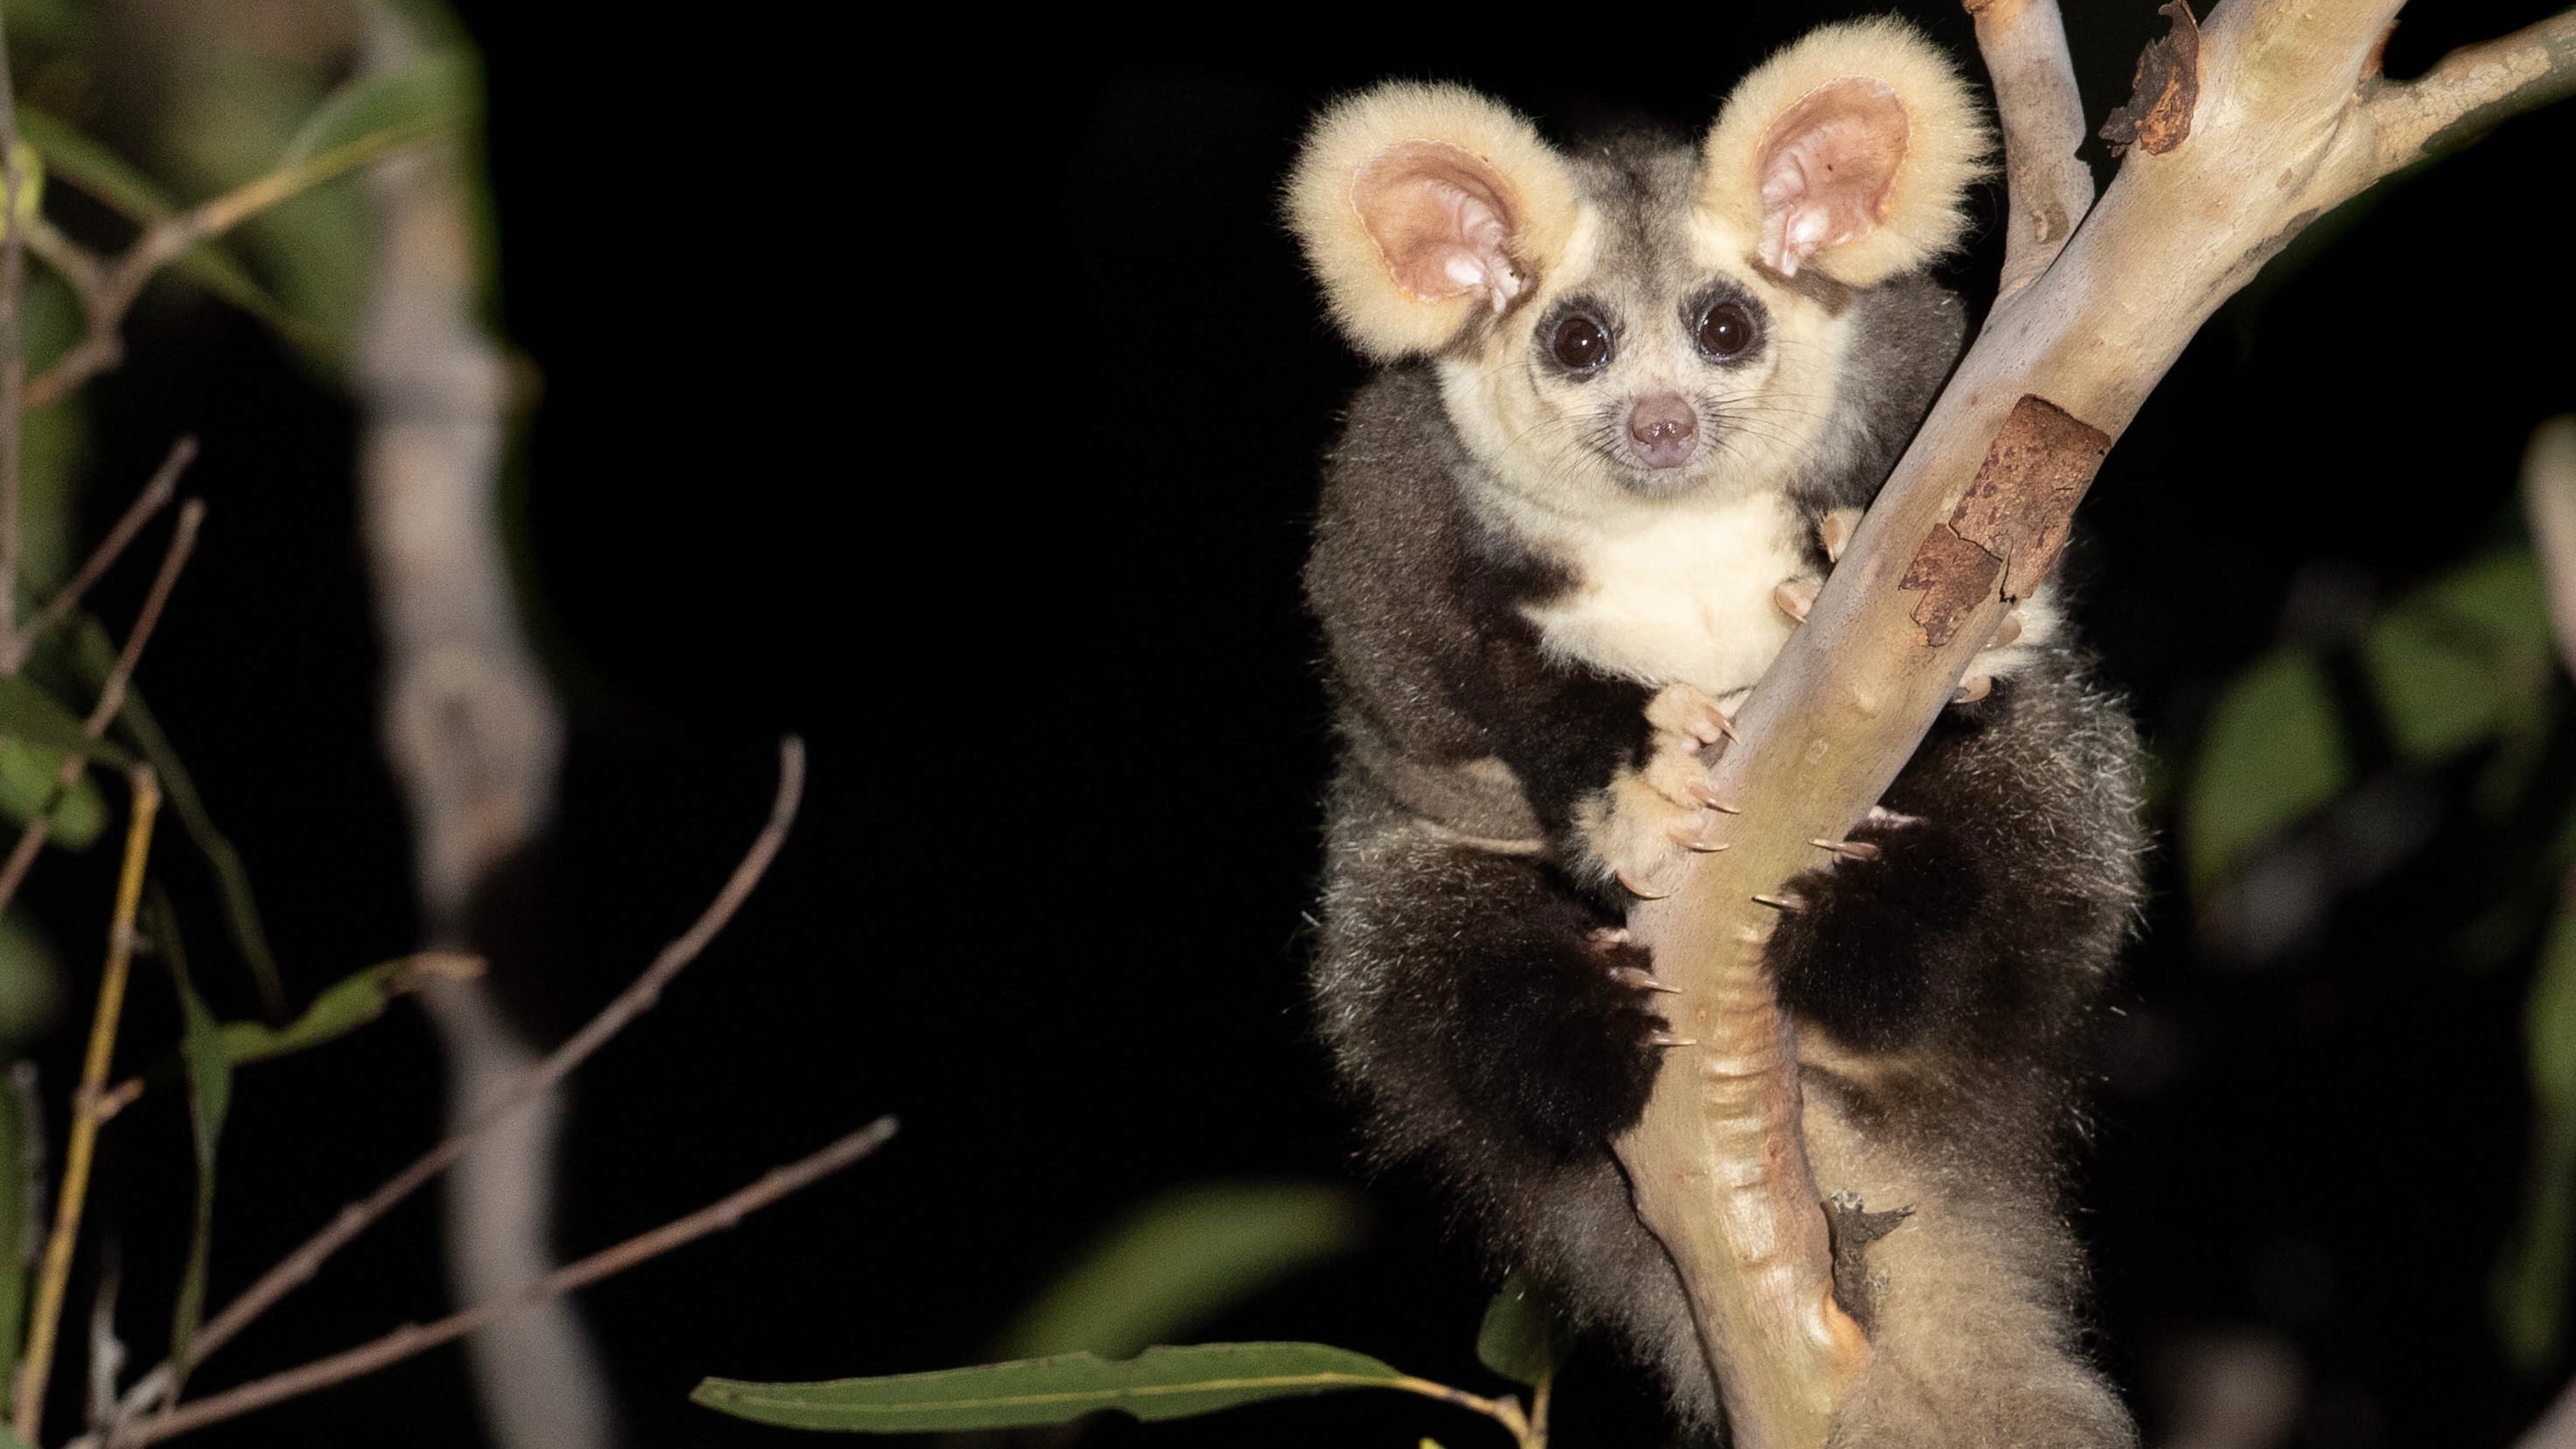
(956, 403)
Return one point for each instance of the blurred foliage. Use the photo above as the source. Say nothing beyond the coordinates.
(2272, 752)
(232, 94)
(1183, 1258)
(2461, 671)
(1526, 1336)
(208, 1070)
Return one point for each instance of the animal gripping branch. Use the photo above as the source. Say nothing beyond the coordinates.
(2281, 117)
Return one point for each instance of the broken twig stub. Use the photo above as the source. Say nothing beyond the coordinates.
(2013, 520)
(2158, 115)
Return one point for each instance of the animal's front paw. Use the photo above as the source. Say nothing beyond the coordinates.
(1560, 1034)
(1651, 819)
(1796, 596)
(1859, 935)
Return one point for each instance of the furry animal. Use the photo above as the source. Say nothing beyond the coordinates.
(1637, 393)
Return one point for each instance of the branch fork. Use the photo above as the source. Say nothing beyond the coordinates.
(2284, 117)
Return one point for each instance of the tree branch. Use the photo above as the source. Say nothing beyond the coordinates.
(2472, 89)
(28, 1414)
(634, 1001)
(406, 1341)
(2273, 133)
(2042, 114)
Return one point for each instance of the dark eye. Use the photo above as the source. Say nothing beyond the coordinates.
(1725, 330)
(1580, 345)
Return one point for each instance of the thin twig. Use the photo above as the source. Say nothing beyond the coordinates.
(403, 1342)
(107, 287)
(111, 697)
(2042, 113)
(13, 343)
(43, 1319)
(155, 496)
(354, 1219)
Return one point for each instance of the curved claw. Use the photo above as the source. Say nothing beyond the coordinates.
(1974, 688)
(1611, 936)
(1641, 980)
(1849, 849)
(1784, 901)
(1690, 838)
(1796, 597)
(1640, 892)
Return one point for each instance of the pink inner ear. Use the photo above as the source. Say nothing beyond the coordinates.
(1827, 167)
(1438, 216)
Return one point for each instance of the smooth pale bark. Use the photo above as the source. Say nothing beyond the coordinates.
(2288, 118)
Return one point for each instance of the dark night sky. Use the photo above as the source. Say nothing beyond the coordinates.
(966, 421)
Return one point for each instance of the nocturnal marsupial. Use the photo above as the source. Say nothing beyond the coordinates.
(1636, 393)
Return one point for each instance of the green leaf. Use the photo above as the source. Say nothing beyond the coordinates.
(1526, 1336)
(30, 993)
(440, 89)
(209, 1071)
(2463, 659)
(2272, 753)
(343, 1007)
(122, 189)
(17, 1169)
(27, 713)
(2549, 1019)
(2528, 1293)
(31, 170)
(95, 656)
(1160, 1383)
(1181, 1259)
(93, 168)
(29, 787)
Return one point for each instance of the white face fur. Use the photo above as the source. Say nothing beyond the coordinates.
(1628, 382)
(1641, 343)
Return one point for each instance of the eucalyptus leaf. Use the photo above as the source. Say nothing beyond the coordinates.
(27, 713)
(1160, 1383)
(29, 787)
(95, 656)
(108, 179)
(343, 1007)
(2529, 1291)
(93, 168)
(1180, 1259)
(1526, 1336)
(2273, 752)
(209, 1073)
(2464, 659)
(16, 1232)
(439, 90)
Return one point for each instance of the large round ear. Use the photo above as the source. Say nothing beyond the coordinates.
(1422, 205)
(1849, 152)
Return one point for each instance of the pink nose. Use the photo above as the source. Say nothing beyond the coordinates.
(1663, 430)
